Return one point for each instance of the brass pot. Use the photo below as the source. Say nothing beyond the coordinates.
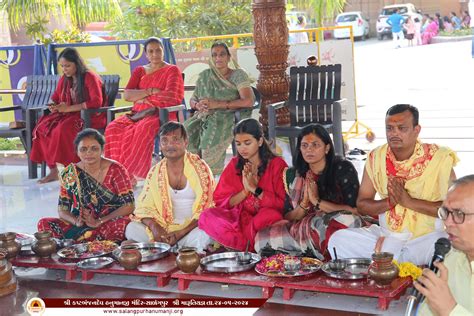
(382, 270)
(7, 241)
(3, 256)
(188, 260)
(45, 246)
(130, 257)
(6, 275)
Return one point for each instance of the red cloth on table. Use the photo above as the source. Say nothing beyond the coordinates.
(54, 134)
(234, 226)
(131, 143)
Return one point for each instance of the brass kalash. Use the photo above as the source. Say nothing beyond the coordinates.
(7, 279)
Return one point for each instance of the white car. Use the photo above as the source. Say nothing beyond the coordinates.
(406, 10)
(359, 23)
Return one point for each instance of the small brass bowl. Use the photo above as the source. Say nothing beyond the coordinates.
(292, 264)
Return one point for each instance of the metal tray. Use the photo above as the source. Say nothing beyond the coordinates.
(95, 263)
(308, 266)
(228, 262)
(150, 250)
(356, 268)
(79, 251)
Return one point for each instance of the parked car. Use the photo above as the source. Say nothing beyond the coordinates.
(406, 10)
(356, 19)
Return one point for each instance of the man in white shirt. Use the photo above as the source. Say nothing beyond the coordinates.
(175, 193)
(452, 291)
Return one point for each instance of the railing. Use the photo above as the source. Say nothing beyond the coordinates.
(199, 40)
(314, 35)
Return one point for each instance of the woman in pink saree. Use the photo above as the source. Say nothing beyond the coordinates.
(430, 31)
(250, 195)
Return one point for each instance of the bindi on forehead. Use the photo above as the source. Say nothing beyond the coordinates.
(400, 118)
(311, 138)
(219, 50)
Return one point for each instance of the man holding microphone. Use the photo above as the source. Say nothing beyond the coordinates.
(451, 292)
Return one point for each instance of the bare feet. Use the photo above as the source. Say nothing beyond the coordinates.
(52, 176)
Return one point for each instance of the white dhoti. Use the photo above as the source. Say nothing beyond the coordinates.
(196, 238)
(361, 242)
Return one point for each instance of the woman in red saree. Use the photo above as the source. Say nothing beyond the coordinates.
(130, 138)
(96, 195)
(54, 134)
(250, 194)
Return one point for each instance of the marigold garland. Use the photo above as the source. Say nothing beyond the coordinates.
(408, 269)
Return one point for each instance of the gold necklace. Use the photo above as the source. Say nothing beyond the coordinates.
(94, 199)
(177, 187)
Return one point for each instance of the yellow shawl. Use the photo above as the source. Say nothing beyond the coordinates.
(154, 201)
(426, 173)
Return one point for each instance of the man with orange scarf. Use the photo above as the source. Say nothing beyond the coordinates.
(176, 191)
(412, 179)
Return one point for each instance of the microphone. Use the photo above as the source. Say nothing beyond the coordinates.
(442, 247)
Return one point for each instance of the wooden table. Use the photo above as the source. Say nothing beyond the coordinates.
(162, 269)
(53, 262)
(250, 278)
(319, 282)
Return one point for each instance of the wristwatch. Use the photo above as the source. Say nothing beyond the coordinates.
(258, 191)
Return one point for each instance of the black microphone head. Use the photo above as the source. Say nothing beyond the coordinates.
(442, 247)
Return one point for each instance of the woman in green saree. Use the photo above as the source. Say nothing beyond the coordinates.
(220, 90)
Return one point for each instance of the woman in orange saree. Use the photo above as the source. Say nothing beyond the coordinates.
(130, 138)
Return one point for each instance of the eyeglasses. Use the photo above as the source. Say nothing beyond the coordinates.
(92, 149)
(458, 215)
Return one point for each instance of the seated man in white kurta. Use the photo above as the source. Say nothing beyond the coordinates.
(176, 191)
(412, 178)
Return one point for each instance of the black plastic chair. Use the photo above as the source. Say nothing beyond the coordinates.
(110, 89)
(238, 113)
(315, 97)
(39, 90)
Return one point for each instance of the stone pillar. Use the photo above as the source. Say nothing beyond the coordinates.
(270, 33)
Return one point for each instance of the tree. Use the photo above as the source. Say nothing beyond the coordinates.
(81, 12)
(183, 19)
(321, 10)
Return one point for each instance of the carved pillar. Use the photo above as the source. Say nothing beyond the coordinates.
(271, 48)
